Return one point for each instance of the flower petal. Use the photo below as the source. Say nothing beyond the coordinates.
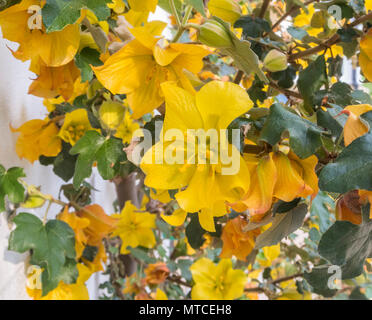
(177, 218)
(354, 126)
(219, 103)
(181, 111)
(264, 177)
(163, 175)
(127, 69)
(289, 183)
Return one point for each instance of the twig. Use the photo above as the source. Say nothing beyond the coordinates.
(330, 42)
(274, 282)
(287, 92)
(182, 27)
(264, 7)
(178, 280)
(297, 275)
(288, 13)
(46, 213)
(238, 77)
(175, 13)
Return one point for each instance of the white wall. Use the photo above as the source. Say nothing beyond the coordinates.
(17, 107)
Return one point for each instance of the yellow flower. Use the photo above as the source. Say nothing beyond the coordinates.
(160, 195)
(263, 175)
(117, 5)
(135, 228)
(237, 242)
(127, 128)
(91, 225)
(75, 125)
(100, 224)
(156, 273)
(270, 253)
(354, 126)
(304, 20)
(160, 295)
(142, 65)
(80, 88)
(78, 225)
(280, 176)
(293, 294)
(207, 187)
(54, 49)
(368, 5)
(216, 282)
(296, 177)
(176, 219)
(143, 5)
(53, 81)
(76, 291)
(38, 138)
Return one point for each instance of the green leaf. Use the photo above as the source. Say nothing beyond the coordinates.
(108, 157)
(283, 207)
(164, 4)
(350, 48)
(84, 60)
(311, 80)
(64, 165)
(304, 135)
(329, 121)
(57, 14)
(347, 34)
(282, 226)
(356, 294)
(348, 245)
(87, 148)
(244, 57)
(10, 186)
(297, 33)
(52, 245)
(141, 255)
(352, 169)
(320, 210)
(252, 26)
(318, 279)
(184, 266)
(198, 5)
(108, 152)
(194, 232)
(285, 78)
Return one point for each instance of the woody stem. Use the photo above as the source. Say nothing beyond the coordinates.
(331, 41)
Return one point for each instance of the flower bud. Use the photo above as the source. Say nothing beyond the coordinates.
(214, 34)
(275, 61)
(228, 10)
(111, 114)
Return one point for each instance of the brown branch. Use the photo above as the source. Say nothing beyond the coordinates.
(288, 93)
(288, 13)
(264, 7)
(274, 282)
(178, 280)
(297, 275)
(238, 77)
(330, 42)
